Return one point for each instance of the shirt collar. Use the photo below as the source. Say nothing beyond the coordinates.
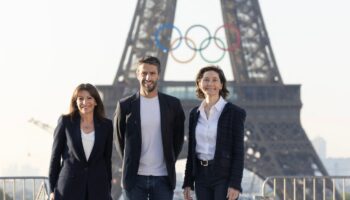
(219, 106)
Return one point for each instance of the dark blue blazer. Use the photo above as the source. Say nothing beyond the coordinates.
(127, 130)
(70, 173)
(229, 152)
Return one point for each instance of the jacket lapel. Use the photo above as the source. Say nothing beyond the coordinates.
(76, 135)
(98, 135)
(135, 106)
(218, 131)
(163, 118)
(193, 128)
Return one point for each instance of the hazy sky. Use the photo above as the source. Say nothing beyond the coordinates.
(48, 47)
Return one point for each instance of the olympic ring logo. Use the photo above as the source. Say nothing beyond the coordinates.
(190, 43)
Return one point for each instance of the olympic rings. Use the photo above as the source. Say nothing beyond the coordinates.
(188, 30)
(223, 52)
(183, 61)
(203, 45)
(235, 45)
(157, 33)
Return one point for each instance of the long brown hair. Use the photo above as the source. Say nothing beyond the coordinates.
(99, 110)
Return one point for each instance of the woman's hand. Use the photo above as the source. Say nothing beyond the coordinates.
(232, 194)
(52, 196)
(187, 193)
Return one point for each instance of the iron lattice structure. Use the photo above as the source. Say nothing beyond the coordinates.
(275, 142)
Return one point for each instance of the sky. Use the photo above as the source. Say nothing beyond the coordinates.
(47, 48)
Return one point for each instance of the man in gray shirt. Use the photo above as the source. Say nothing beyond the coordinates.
(149, 129)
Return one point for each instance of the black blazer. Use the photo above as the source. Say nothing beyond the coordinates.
(229, 152)
(70, 174)
(127, 132)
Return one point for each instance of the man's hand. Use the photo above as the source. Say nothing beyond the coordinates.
(232, 194)
(187, 193)
(52, 196)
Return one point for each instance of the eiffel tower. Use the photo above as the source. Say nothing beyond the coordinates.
(275, 142)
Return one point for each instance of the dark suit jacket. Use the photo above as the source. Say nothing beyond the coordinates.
(71, 177)
(229, 152)
(128, 135)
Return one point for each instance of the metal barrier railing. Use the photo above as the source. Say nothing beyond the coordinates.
(301, 187)
(24, 187)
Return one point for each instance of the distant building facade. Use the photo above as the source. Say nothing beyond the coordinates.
(337, 166)
(334, 166)
(320, 146)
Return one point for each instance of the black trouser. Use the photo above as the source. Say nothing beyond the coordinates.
(207, 185)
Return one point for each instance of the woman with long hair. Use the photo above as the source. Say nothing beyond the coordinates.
(80, 165)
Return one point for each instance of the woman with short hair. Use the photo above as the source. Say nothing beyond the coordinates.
(215, 157)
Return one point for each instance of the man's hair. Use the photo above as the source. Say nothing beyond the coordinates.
(150, 60)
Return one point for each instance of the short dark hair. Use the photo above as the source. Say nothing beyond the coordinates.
(99, 109)
(150, 60)
(223, 92)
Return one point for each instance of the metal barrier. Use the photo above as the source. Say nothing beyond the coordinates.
(24, 187)
(301, 187)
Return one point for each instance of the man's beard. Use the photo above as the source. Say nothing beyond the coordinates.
(149, 88)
